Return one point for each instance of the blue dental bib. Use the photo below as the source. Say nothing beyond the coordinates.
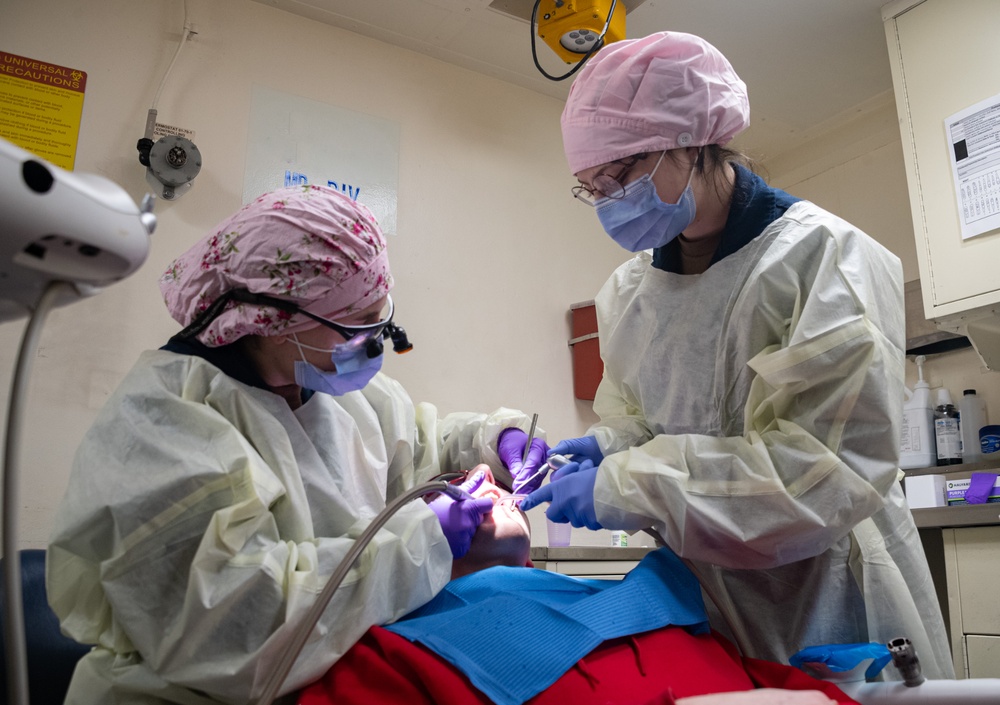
(515, 631)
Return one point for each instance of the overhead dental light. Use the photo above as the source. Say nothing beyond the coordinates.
(63, 226)
(573, 29)
(63, 236)
(576, 29)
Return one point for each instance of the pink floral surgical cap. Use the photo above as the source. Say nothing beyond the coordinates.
(308, 244)
(660, 92)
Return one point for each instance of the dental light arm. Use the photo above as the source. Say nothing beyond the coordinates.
(63, 236)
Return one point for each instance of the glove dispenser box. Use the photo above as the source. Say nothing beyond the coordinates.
(587, 365)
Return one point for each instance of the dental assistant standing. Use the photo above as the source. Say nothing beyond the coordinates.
(233, 469)
(753, 368)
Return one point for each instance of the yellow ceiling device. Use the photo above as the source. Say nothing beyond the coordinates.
(574, 28)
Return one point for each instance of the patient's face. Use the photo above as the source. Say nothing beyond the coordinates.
(503, 538)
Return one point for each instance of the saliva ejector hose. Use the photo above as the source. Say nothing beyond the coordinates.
(284, 666)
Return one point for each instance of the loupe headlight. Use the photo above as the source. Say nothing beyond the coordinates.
(400, 343)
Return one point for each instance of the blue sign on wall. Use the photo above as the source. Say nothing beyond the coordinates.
(293, 140)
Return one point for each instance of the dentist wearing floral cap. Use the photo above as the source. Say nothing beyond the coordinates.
(753, 368)
(233, 469)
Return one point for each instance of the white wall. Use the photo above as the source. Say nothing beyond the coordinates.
(856, 171)
(491, 248)
(490, 252)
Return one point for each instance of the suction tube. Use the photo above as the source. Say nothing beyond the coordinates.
(14, 629)
(302, 635)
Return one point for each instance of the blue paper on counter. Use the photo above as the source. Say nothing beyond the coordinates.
(980, 486)
(843, 657)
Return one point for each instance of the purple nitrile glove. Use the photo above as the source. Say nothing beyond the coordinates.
(527, 476)
(980, 487)
(571, 498)
(578, 449)
(461, 518)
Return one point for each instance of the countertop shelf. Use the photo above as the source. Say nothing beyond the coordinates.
(588, 553)
(961, 514)
(960, 471)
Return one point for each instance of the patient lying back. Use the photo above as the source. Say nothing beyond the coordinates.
(502, 632)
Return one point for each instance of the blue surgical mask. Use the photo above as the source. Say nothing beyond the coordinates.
(354, 369)
(639, 220)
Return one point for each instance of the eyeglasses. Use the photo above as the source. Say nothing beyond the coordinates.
(369, 335)
(604, 185)
(365, 332)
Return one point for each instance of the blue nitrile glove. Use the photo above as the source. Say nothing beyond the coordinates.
(584, 448)
(571, 498)
(461, 518)
(840, 658)
(527, 476)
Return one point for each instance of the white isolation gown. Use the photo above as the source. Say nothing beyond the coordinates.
(203, 517)
(750, 415)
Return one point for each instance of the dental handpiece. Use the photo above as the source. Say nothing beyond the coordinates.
(557, 461)
(553, 462)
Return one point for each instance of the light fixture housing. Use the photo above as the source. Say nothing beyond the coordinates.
(571, 27)
(58, 225)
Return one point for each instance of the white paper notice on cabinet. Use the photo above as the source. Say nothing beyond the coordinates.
(974, 146)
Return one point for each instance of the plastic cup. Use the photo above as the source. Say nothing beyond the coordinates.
(559, 534)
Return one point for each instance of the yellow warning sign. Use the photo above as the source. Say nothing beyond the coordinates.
(40, 107)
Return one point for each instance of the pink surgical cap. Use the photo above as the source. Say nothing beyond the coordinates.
(308, 244)
(664, 91)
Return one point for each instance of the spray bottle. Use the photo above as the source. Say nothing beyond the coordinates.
(917, 447)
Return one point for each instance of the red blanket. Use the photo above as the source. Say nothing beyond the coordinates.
(657, 666)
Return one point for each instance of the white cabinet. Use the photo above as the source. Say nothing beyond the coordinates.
(974, 599)
(983, 654)
(943, 55)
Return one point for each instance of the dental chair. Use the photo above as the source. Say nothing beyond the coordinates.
(914, 689)
(974, 691)
(52, 656)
